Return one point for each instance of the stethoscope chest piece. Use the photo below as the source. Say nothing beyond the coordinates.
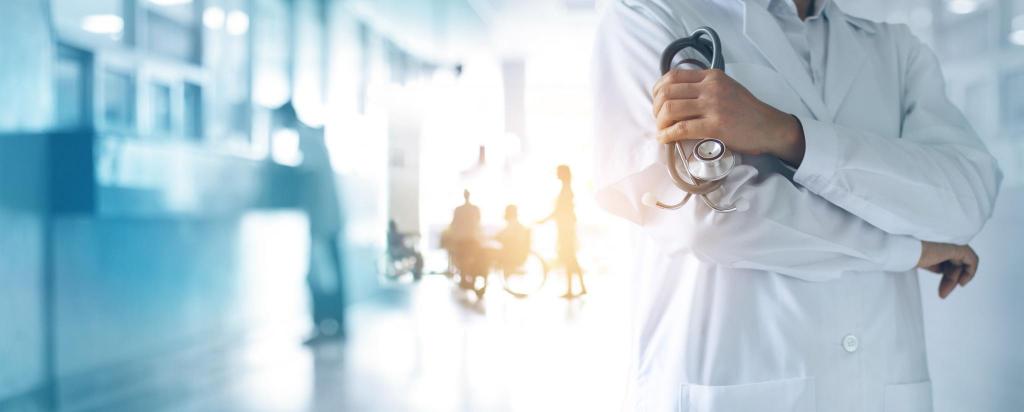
(705, 163)
(710, 161)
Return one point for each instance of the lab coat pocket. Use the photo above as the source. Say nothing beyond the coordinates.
(909, 397)
(787, 395)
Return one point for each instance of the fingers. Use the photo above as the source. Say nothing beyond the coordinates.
(950, 278)
(970, 262)
(687, 129)
(678, 110)
(679, 76)
(958, 264)
(677, 91)
(674, 85)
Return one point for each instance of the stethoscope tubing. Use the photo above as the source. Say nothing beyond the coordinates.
(692, 185)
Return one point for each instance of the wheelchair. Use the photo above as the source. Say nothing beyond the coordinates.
(471, 264)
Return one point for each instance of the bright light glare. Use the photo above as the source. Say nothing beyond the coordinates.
(285, 147)
(1017, 30)
(213, 18)
(167, 3)
(103, 24)
(237, 23)
(962, 6)
(1017, 37)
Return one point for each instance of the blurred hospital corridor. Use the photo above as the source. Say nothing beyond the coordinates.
(425, 346)
(399, 205)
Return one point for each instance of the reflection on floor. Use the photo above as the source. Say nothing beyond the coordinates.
(426, 347)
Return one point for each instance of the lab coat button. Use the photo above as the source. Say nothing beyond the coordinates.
(850, 343)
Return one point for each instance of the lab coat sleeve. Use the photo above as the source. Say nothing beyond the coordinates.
(786, 230)
(936, 182)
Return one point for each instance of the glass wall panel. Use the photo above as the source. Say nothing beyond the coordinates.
(171, 31)
(1013, 102)
(226, 54)
(72, 71)
(271, 86)
(193, 111)
(118, 100)
(309, 62)
(161, 118)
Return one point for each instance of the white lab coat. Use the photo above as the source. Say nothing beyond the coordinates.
(807, 301)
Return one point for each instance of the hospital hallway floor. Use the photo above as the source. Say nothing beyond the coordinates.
(416, 347)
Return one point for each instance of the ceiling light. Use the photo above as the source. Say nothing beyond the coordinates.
(169, 3)
(962, 6)
(237, 23)
(1017, 37)
(103, 24)
(213, 18)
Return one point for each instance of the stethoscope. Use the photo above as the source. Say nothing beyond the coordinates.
(706, 162)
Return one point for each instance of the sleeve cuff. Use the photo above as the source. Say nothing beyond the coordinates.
(904, 253)
(821, 155)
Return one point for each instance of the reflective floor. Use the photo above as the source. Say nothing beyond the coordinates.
(418, 347)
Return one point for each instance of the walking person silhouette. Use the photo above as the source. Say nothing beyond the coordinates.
(564, 216)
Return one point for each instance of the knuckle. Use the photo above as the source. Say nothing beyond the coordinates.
(672, 106)
(679, 129)
(661, 122)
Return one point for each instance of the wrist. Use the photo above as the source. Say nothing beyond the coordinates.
(791, 140)
(786, 142)
(925, 248)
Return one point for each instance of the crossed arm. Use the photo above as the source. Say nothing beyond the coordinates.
(838, 217)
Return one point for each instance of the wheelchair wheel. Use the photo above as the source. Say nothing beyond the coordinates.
(475, 281)
(527, 278)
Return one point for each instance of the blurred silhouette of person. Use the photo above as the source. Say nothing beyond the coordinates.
(399, 250)
(515, 241)
(463, 240)
(321, 202)
(564, 216)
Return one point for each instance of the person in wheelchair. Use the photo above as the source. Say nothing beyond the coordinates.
(464, 242)
(515, 242)
(399, 249)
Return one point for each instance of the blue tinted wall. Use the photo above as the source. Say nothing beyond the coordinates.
(143, 229)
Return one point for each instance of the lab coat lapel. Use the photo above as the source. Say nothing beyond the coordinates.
(761, 29)
(844, 60)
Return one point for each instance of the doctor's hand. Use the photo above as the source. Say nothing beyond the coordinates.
(697, 104)
(957, 264)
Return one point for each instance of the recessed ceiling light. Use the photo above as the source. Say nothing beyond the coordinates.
(167, 3)
(1017, 37)
(237, 23)
(103, 24)
(213, 18)
(962, 6)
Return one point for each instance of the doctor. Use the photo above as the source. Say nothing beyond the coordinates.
(857, 169)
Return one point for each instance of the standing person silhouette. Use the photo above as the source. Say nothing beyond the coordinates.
(564, 216)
